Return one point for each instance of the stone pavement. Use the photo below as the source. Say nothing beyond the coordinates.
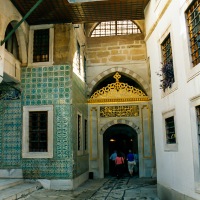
(110, 188)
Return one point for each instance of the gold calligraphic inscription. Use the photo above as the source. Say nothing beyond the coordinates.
(118, 92)
(119, 111)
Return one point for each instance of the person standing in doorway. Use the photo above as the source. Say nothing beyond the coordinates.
(119, 162)
(112, 162)
(130, 159)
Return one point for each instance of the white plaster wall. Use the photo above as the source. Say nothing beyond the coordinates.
(175, 169)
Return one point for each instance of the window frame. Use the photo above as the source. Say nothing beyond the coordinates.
(195, 146)
(111, 29)
(167, 127)
(86, 135)
(78, 63)
(165, 57)
(190, 34)
(191, 72)
(79, 134)
(160, 41)
(25, 139)
(85, 69)
(37, 129)
(167, 60)
(51, 44)
(12, 44)
(169, 146)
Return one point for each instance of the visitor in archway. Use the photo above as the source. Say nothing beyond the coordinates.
(112, 162)
(119, 163)
(136, 166)
(131, 162)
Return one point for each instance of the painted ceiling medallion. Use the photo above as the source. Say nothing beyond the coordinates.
(118, 92)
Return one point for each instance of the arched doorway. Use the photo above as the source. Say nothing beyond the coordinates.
(119, 115)
(119, 137)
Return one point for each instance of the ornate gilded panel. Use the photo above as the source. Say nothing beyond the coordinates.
(118, 92)
(119, 111)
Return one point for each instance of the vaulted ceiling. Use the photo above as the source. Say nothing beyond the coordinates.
(62, 11)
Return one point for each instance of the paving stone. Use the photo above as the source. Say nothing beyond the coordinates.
(126, 188)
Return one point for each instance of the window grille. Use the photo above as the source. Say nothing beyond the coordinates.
(193, 19)
(166, 50)
(85, 69)
(170, 130)
(112, 28)
(167, 65)
(11, 44)
(78, 57)
(79, 132)
(198, 125)
(85, 135)
(41, 46)
(38, 131)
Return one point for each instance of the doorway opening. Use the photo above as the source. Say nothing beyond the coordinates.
(120, 138)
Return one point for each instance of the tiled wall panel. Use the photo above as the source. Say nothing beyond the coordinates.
(46, 86)
(10, 134)
(51, 86)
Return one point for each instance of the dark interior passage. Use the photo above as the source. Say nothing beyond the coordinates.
(119, 137)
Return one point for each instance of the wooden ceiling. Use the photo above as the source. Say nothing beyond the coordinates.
(61, 11)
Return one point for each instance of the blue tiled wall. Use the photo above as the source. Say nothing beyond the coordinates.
(46, 86)
(10, 134)
(51, 86)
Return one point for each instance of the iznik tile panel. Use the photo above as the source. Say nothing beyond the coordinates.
(10, 133)
(51, 86)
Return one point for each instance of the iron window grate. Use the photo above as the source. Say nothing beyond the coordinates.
(170, 130)
(112, 28)
(38, 131)
(166, 50)
(193, 19)
(41, 46)
(198, 125)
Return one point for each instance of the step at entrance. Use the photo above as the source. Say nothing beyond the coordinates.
(16, 188)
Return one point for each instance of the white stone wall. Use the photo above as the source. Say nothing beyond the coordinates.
(177, 169)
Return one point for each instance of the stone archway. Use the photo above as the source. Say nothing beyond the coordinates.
(108, 107)
(22, 38)
(119, 121)
(128, 72)
(120, 138)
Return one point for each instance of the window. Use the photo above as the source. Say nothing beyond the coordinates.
(86, 138)
(37, 132)
(11, 44)
(78, 58)
(79, 129)
(85, 68)
(198, 127)
(193, 20)
(195, 134)
(167, 64)
(166, 49)
(41, 45)
(170, 130)
(112, 28)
